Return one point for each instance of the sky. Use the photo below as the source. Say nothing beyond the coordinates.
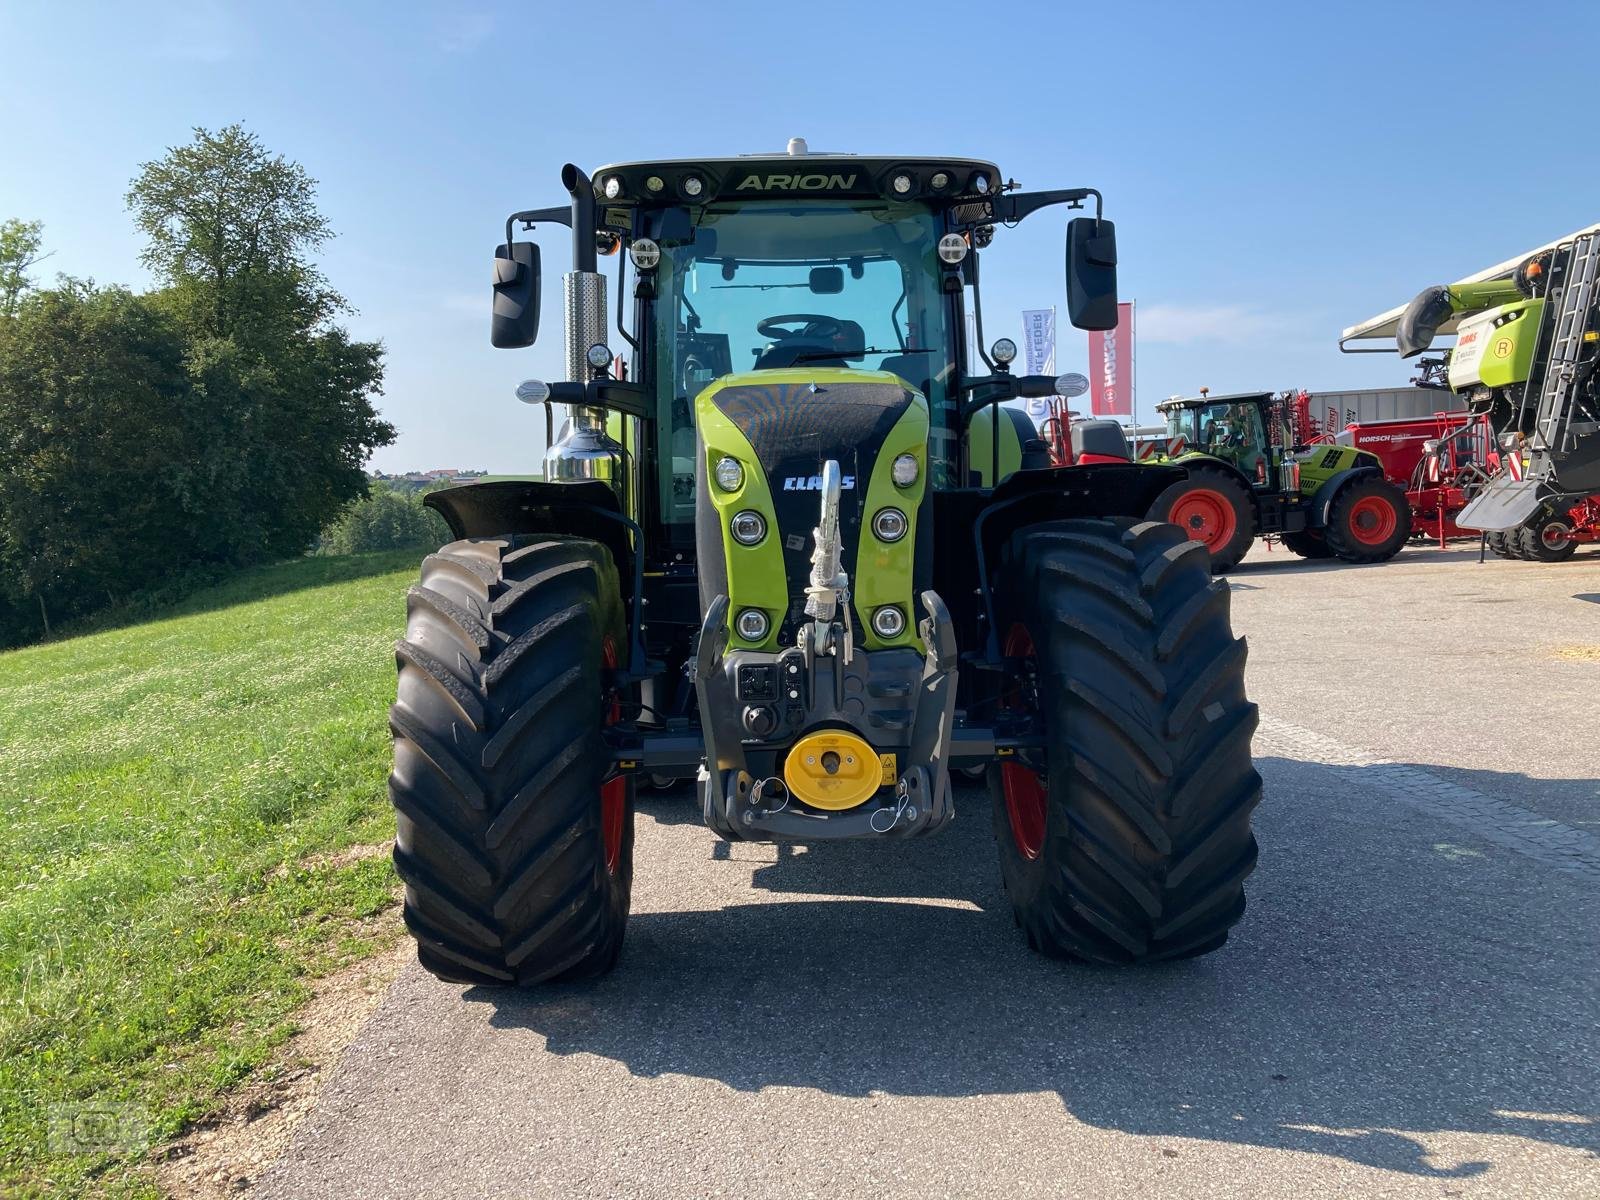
(1276, 171)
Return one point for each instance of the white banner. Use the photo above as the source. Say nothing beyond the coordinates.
(1039, 340)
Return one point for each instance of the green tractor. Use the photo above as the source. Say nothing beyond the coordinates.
(1246, 475)
(800, 551)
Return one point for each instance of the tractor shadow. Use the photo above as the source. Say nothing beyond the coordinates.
(1384, 984)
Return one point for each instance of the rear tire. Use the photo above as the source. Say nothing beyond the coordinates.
(1546, 538)
(1130, 841)
(1369, 521)
(1307, 544)
(1498, 543)
(1212, 507)
(515, 848)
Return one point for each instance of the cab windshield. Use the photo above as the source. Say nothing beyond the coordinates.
(766, 286)
(1230, 431)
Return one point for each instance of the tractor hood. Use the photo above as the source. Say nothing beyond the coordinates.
(781, 427)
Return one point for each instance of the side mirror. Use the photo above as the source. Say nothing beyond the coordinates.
(1092, 273)
(1420, 322)
(515, 322)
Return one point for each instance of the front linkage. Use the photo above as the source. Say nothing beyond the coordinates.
(844, 724)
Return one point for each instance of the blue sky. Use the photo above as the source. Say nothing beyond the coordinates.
(1276, 171)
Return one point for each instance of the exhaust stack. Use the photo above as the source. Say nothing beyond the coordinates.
(584, 450)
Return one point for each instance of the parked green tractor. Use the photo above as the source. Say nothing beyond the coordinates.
(814, 563)
(1245, 476)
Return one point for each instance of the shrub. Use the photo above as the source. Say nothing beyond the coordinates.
(386, 519)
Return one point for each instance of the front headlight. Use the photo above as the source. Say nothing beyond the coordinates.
(752, 624)
(904, 471)
(888, 622)
(890, 524)
(748, 527)
(729, 474)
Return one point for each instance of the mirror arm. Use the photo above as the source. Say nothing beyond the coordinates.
(1009, 209)
(562, 216)
(984, 390)
(617, 395)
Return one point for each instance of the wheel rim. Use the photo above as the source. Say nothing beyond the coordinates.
(614, 792)
(1206, 516)
(1023, 790)
(1555, 536)
(1373, 520)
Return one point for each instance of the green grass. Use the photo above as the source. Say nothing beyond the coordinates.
(153, 780)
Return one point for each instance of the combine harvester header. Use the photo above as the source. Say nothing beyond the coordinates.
(1525, 359)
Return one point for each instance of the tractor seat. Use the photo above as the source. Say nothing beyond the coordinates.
(849, 343)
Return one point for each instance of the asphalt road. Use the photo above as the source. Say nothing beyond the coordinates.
(1408, 1008)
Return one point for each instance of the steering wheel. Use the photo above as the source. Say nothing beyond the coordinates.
(813, 325)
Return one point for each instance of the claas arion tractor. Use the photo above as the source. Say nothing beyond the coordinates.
(1247, 472)
(792, 543)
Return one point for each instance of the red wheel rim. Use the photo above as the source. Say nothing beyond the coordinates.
(1021, 786)
(1373, 520)
(1555, 536)
(614, 792)
(1206, 516)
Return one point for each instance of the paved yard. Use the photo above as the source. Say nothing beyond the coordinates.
(1409, 1007)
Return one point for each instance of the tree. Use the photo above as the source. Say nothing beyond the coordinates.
(222, 420)
(97, 419)
(231, 226)
(19, 251)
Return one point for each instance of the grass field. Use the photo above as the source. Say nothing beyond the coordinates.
(167, 791)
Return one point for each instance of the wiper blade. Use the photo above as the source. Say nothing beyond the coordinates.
(842, 353)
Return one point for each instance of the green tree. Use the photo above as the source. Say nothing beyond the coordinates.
(231, 228)
(222, 420)
(97, 421)
(19, 252)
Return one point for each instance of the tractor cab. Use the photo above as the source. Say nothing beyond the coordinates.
(1231, 428)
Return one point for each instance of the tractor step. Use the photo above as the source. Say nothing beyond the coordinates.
(1503, 504)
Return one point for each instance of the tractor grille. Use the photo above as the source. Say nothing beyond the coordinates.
(805, 424)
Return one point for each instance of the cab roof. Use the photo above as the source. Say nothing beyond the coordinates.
(1206, 401)
(789, 176)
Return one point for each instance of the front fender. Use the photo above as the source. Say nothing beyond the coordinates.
(1322, 499)
(1027, 498)
(586, 509)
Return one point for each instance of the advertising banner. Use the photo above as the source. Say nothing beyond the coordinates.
(1111, 367)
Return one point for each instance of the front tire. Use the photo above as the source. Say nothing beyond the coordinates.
(1129, 840)
(515, 846)
(1369, 520)
(1307, 544)
(1212, 507)
(1498, 543)
(1546, 538)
